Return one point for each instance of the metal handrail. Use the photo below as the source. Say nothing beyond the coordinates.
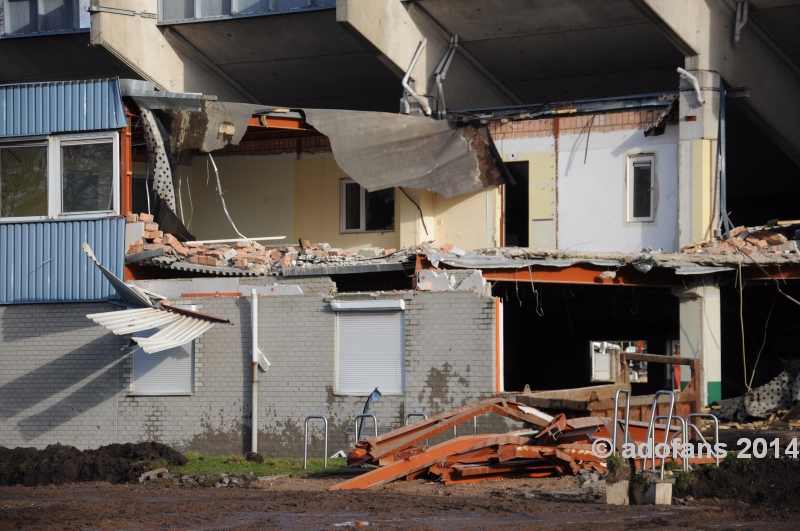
(362, 416)
(682, 432)
(651, 425)
(305, 439)
(716, 431)
(627, 419)
(474, 427)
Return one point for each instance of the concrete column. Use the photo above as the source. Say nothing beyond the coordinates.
(698, 201)
(700, 333)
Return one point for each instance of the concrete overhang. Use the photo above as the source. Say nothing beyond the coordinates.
(59, 56)
(780, 21)
(553, 51)
(295, 59)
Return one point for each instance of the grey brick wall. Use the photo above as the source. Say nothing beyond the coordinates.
(68, 381)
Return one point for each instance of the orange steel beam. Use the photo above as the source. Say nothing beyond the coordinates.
(498, 347)
(272, 122)
(491, 477)
(433, 455)
(783, 272)
(402, 438)
(584, 274)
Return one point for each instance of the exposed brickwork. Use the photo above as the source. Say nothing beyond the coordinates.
(603, 123)
(311, 144)
(70, 383)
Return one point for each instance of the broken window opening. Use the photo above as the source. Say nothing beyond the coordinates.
(516, 208)
(87, 177)
(363, 211)
(23, 181)
(641, 188)
(605, 360)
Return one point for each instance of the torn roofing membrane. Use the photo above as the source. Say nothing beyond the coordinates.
(377, 150)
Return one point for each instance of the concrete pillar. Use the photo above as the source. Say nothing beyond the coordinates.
(700, 333)
(698, 201)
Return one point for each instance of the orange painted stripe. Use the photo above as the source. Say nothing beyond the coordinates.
(497, 346)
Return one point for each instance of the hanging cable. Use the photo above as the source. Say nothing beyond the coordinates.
(421, 216)
(764, 342)
(191, 205)
(219, 191)
(741, 323)
(146, 188)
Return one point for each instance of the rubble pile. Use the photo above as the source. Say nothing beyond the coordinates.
(747, 241)
(256, 258)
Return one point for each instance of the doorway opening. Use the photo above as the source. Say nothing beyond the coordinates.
(515, 207)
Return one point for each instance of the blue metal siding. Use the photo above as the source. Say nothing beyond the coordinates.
(60, 107)
(43, 262)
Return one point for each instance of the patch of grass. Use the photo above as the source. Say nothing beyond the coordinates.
(672, 466)
(614, 463)
(733, 462)
(158, 463)
(199, 464)
(685, 480)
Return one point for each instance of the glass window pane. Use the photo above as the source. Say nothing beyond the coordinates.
(379, 210)
(352, 205)
(57, 15)
(641, 191)
(253, 6)
(87, 177)
(177, 10)
(20, 16)
(215, 8)
(23, 181)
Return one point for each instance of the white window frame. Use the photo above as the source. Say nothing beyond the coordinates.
(53, 144)
(362, 210)
(367, 307)
(632, 161)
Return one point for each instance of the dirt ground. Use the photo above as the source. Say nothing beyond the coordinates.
(305, 503)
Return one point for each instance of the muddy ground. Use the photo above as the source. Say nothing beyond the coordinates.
(305, 503)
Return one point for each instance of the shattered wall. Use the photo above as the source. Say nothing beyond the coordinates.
(63, 388)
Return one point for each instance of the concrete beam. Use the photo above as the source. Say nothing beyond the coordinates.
(394, 29)
(703, 30)
(138, 43)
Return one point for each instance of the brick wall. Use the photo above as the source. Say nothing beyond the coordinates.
(449, 362)
(600, 123)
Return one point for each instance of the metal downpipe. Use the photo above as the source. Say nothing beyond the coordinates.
(254, 327)
(407, 87)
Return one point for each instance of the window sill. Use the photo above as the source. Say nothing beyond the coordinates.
(337, 393)
(137, 395)
(365, 231)
(62, 217)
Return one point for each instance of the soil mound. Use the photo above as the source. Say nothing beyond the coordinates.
(771, 482)
(57, 464)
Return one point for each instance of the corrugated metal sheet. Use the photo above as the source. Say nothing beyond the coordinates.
(174, 335)
(130, 294)
(43, 262)
(130, 321)
(60, 107)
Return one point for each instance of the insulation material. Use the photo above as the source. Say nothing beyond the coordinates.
(761, 402)
(159, 160)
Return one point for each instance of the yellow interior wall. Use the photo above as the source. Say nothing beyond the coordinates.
(255, 188)
(462, 220)
(317, 185)
(703, 154)
(412, 231)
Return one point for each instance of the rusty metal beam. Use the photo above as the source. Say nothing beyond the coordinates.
(433, 455)
(585, 274)
(273, 122)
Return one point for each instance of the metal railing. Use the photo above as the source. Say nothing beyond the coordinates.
(305, 439)
(616, 422)
(682, 432)
(363, 416)
(697, 430)
(651, 428)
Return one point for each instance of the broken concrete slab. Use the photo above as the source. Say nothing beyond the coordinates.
(430, 280)
(474, 282)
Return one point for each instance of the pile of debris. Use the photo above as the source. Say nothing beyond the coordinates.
(157, 248)
(747, 241)
(559, 447)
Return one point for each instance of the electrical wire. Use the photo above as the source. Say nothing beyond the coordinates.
(741, 323)
(147, 188)
(191, 205)
(764, 342)
(219, 191)
(421, 216)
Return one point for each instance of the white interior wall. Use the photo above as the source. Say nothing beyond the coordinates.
(592, 200)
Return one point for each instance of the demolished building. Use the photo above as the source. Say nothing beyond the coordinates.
(442, 262)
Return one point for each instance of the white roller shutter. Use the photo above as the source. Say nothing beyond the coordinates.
(370, 352)
(169, 372)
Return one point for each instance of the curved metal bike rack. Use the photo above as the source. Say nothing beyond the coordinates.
(362, 416)
(305, 439)
(682, 432)
(627, 419)
(651, 426)
(417, 414)
(697, 430)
